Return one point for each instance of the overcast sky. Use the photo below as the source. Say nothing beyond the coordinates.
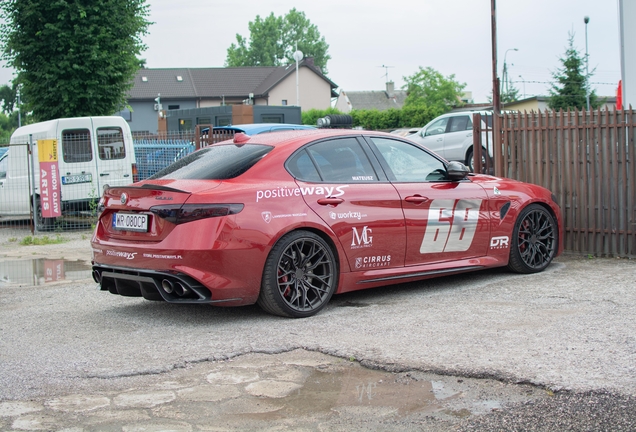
(451, 36)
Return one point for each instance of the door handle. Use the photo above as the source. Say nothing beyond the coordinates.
(330, 201)
(103, 174)
(416, 199)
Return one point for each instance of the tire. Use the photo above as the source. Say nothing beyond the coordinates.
(300, 276)
(535, 239)
(486, 161)
(43, 224)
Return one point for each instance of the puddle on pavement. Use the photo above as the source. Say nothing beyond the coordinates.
(327, 390)
(41, 271)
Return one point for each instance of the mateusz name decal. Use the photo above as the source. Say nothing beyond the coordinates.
(451, 226)
(327, 191)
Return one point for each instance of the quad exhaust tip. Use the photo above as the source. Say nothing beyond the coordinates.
(167, 286)
(177, 288)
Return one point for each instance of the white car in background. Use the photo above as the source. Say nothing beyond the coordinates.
(451, 136)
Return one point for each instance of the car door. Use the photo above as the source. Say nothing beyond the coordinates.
(458, 138)
(445, 220)
(433, 135)
(340, 183)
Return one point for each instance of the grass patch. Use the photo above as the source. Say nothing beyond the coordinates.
(39, 241)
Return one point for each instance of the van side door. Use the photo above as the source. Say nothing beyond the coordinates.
(114, 152)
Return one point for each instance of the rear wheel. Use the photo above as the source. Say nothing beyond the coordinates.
(300, 276)
(534, 240)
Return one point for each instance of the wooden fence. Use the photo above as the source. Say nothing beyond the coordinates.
(587, 159)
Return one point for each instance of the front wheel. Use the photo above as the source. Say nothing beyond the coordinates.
(534, 240)
(300, 276)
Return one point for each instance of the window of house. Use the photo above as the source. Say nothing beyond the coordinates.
(76, 145)
(173, 107)
(110, 142)
(126, 114)
(272, 118)
(223, 121)
(185, 125)
(284, 102)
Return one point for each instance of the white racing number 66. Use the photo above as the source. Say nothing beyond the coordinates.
(451, 225)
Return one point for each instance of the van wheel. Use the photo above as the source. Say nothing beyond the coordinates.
(43, 224)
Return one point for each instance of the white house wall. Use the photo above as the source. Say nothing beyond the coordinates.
(314, 92)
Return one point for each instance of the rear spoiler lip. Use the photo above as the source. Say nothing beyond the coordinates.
(150, 186)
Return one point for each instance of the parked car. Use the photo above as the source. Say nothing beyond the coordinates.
(81, 154)
(451, 136)
(288, 219)
(222, 133)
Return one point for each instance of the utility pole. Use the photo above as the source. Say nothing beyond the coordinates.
(496, 107)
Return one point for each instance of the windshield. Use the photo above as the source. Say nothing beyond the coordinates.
(215, 163)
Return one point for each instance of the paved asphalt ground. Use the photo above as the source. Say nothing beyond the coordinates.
(485, 351)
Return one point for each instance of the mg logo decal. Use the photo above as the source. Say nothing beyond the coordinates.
(362, 239)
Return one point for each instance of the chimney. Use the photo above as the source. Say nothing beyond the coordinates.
(390, 89)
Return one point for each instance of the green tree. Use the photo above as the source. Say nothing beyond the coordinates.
(511, 94)
(273, 41)
(73, 57)
(430, 88)
(569, 88)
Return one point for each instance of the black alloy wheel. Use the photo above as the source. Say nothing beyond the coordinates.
(300, 276)
(535, 240)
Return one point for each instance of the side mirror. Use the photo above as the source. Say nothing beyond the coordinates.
(456, 171)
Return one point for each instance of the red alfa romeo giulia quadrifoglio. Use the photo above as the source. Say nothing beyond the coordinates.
(288, 219)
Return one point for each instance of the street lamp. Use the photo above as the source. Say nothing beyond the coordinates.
(587, 67)
(298, 56)
(524, 86)
(505, 73)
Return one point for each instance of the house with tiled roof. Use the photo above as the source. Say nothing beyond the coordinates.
(369, 100)
(158, 90)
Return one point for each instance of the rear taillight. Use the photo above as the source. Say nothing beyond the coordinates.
(178, 214)
(135, 173)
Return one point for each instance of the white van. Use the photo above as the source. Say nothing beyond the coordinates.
(92, 152)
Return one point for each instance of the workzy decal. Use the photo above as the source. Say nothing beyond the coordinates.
(451, 225)
(284, 192)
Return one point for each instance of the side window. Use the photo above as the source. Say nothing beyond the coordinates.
(4, 165)
(76, 146)
(409, 163)
(438, 127)
(335, 161)
(301, 167)
(460, 123)
(110, 142)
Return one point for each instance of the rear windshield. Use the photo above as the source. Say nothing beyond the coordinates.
(215, 163)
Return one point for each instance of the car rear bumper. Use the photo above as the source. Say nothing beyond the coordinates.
(172, 287)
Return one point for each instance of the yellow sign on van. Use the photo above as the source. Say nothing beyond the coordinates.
(47, 150)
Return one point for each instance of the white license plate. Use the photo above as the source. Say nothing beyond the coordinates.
(80, 178)
(130, 222)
